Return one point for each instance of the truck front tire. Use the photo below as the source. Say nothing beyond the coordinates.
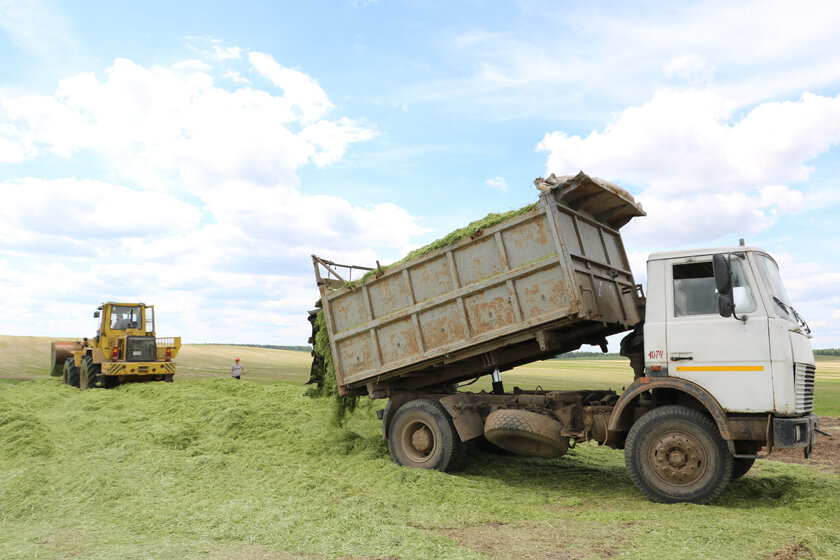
(675, 454)
(422, 436)
(741, 466)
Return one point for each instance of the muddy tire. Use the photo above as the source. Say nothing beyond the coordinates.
(526, 433)
(740, 467)
(422, 436)
(71, 372)
(168, 378)
(88, 373)
(675, 454)
(109, 381)
(464, 453)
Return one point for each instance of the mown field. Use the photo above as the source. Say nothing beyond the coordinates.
(209, 467)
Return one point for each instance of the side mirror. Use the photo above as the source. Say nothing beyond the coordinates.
(96, 314)
(723, 281)
(723, 271)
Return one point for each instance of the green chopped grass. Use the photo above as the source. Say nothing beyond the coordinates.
(215, 468)
(323, 374)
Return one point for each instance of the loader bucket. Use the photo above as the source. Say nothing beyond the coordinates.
(59, 352)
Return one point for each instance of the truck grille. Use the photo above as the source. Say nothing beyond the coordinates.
(140, 349)
(803, 378)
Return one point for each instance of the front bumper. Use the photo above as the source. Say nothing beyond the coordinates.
(795, 432)
(138, 368)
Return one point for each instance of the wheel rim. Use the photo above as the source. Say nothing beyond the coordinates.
(678, 458)
(419, 441)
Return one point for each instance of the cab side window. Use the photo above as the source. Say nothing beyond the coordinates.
(694, 289)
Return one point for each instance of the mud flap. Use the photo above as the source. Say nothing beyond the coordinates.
(467, 421)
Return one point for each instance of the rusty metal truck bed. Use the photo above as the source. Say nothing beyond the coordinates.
(541, 283)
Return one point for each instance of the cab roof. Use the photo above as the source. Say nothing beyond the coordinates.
(664, 255)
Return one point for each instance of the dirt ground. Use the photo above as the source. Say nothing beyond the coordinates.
(826, 455)
(794, 551)
(541, 540)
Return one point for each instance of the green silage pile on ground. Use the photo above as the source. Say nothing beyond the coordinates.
(217, 469)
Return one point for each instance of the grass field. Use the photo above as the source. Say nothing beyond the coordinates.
(209, 467)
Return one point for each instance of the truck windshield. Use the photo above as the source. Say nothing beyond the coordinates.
(769, 272)
(125, 317)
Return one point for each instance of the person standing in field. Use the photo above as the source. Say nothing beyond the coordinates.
(236, 370)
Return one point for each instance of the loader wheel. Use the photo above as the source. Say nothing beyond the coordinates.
(675, 454)
(526, 433)
(71, 372)
(741, 466)
(109, 381)
(422, 436)
(89, 373)
(168, 378)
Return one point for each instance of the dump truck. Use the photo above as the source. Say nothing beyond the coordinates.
(721, 370)
(125, 349)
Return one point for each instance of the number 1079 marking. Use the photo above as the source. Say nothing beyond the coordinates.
(656, 354)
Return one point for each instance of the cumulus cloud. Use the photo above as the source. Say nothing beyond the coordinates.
(177, 120)
(235, 77)
(701, 166)
(184, 193)
(302, 92)
(88, 210)
(685, 141)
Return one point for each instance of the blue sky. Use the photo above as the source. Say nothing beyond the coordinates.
(194, 154)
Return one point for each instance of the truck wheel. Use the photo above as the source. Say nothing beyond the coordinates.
(463, 455)
(422, 436)
(675, 454)
(89, 373)
(526, 433)
(71, 372)
(741, 466)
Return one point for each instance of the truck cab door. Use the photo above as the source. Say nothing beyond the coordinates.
(729, 358)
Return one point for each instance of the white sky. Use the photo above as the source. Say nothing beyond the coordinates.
(196, 163)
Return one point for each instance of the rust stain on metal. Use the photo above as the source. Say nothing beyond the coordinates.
(491, 293)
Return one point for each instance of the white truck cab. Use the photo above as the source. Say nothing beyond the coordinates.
(743, 343)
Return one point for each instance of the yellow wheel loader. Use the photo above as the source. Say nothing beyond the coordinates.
(125, 349)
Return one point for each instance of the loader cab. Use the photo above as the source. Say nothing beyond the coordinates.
(721, 319)
(126, 319)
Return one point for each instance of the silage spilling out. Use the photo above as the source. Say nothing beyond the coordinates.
(323, 368)
(323, 372)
